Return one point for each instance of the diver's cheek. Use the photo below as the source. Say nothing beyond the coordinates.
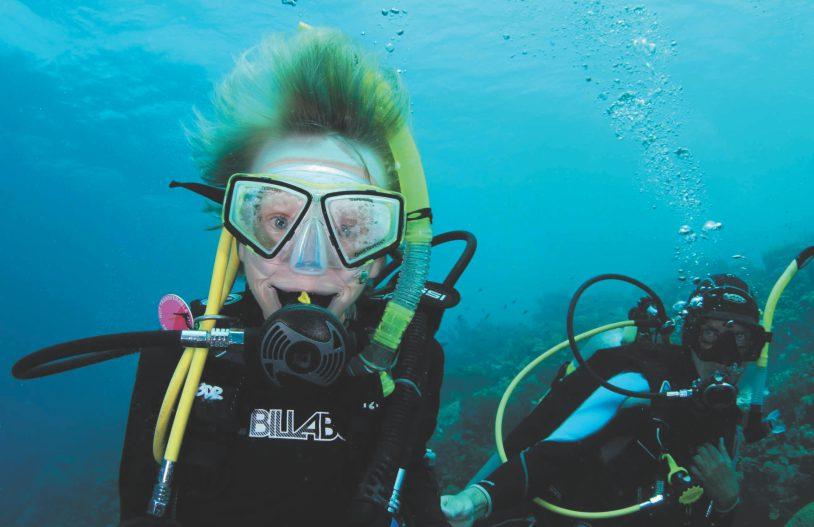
(259, 275)
(350, 290)
(267, 298)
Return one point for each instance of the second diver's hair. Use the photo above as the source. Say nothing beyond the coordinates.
(317, 82)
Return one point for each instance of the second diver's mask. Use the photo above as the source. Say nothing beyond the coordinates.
(313, 225)
(732, 344)
(737, 336)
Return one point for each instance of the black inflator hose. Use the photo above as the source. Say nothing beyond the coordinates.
(83, 352)
(373, 494)
(569, 327)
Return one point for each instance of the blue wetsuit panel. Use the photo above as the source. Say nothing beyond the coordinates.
(598, 409)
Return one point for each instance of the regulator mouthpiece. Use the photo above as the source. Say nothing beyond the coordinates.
(718, 392)
(303, 342)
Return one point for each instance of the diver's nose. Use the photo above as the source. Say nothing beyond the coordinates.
(310, 253)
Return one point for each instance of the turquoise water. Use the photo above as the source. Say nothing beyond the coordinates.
(572, 138)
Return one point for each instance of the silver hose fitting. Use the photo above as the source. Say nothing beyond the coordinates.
(162, 491)
(680, 394)
(216, 339)
(652, 502)
(395, 503)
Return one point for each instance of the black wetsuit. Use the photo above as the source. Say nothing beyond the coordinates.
(260, 456)
(594, 462)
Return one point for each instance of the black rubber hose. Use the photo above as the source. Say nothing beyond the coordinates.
(373, 494)
(83, 352)
(460, 264)
(569, 324)
(466, 256)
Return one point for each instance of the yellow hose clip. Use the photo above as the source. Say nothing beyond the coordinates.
(304, 298)
(689, 493)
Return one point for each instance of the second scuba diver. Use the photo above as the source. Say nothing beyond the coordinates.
(590, 448)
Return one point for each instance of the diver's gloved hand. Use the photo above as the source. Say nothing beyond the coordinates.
(466, 507)
(150, 521)
(716, 471)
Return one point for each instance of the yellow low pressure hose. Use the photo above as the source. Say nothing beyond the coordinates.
(501, 409)
(188, 372)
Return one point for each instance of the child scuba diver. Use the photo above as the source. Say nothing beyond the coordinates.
(308, 398)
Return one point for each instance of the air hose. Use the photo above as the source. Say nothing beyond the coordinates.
(374, 492)
(572, 306)
(84, 352)
(501, 450)
(187, 377)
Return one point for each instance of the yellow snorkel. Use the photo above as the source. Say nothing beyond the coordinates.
(759, 386)
(381, 354)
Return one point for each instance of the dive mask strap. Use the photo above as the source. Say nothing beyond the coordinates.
(216, 194)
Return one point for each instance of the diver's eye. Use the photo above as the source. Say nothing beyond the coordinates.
(346, 231)
(278, 222)
(741, 338)
(709, 335)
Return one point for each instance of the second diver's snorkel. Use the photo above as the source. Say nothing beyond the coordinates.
(753, 428)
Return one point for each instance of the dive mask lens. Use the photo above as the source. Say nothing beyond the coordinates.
(731, 346)
(757, 338)
(363, 225)
(262, 213)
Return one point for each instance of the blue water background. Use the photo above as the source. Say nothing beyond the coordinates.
(571, 137)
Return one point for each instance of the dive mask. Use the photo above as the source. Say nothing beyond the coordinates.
(266, 211)
(731, 344)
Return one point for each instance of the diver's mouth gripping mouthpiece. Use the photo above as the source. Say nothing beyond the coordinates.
(718, 391)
